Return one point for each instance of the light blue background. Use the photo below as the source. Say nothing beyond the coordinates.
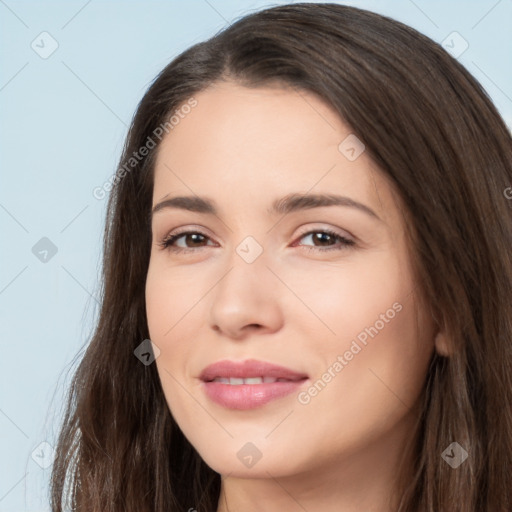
(63, 122)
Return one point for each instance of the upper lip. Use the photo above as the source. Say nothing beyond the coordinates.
(248, 368)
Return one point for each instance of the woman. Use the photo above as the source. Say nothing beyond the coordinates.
(310, 224)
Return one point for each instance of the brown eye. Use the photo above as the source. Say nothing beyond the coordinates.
(327, 239)
(194, 238)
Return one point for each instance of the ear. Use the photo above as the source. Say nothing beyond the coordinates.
(442, 345)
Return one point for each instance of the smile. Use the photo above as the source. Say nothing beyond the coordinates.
(234, 381)
(248, 384)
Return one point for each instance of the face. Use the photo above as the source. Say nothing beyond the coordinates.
(325, 290)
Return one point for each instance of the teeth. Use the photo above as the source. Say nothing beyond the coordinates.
(252, 380)
(234, 381)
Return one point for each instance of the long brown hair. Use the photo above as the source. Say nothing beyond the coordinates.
(435, 134)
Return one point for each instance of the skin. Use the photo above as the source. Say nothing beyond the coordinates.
(294, 305)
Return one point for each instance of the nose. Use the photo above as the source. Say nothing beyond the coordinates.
(246, 300)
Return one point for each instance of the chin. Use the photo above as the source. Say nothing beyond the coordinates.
(247, 461)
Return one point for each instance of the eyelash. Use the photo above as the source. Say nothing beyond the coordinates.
(170, 239)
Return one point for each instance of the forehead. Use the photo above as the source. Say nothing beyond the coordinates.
(272, 120)
(264, 142)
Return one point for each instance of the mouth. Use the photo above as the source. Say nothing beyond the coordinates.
(235, 381)
(237, 372)
(249, 384)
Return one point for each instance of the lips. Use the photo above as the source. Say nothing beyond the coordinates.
(248, 370)
(249, 384)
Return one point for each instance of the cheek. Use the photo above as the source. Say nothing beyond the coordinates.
(383, 364)
(346, 297)
(170, 296)
(374, 386)
(167, 304)
(173, 310)
(394, 351)
(377, 351)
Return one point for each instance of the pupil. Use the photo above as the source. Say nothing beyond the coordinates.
(196, 237)
(324, 236)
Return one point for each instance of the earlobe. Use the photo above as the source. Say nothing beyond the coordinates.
(441, 344)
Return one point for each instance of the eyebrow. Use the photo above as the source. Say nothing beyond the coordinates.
(288, 204)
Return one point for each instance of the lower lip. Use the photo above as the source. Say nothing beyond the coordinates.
(249, 396)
